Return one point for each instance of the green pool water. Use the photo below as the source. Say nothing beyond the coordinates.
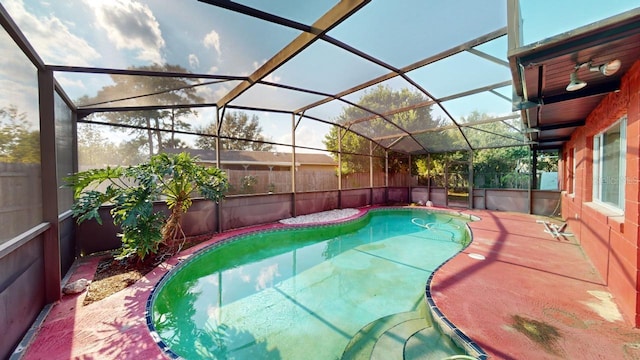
(305, 293)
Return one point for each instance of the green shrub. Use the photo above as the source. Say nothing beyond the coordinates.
(132, 191)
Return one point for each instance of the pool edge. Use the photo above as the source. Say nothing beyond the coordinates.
(444, 324)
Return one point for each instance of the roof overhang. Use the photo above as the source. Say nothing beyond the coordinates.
(541, 72)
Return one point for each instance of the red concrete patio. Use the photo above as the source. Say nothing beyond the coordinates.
(528, 275)
(527, 281)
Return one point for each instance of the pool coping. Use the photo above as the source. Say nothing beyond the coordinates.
(439, 319)
(443, 323)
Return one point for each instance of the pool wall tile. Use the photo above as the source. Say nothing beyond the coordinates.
(446, 326)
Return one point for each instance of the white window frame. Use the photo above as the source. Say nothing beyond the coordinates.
(598, 150)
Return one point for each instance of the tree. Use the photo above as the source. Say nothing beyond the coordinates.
(239, 132)
(381, 99)
(152, 129)
(501, 167)
(499, 160)
(498, 166)
(95, 149)
(486, 133)
(548, 161)
(17, 142)
(132, 191)
(431, 168)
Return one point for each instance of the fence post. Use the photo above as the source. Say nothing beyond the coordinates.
(294, 211)
(470, 179)
(219, 164)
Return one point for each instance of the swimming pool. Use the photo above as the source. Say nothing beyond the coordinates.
(317, 292)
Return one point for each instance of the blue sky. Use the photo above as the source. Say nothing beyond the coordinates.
(546, 18)
(204, 39)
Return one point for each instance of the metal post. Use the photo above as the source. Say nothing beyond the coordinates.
(410, 182)
(470, 179)
(293, 165)
(514, 24)
(428, 176)
(386, 175)
(370, 172)
(48, 166)
(339, 168)
(219, 164)
(446, 183)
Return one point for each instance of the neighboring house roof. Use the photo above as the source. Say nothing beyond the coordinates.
(258, 157)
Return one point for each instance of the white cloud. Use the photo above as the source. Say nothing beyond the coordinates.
(194, 62)
(215, 92)
(130, 25)
(66, 82)
(221, 92)
(308, 137)
(51, 37)
(212, 40)
(266, 277)
(23, 96)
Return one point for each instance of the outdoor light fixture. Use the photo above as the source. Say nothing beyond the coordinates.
(575, 83)
(607, 69)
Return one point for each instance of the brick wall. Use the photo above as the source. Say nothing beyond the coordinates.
(609, 240)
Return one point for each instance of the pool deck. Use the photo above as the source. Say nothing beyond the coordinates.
(527, 280)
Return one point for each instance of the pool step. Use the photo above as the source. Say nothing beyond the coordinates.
(362, 343)
(407, 335)
(439, 345)
(391, 344)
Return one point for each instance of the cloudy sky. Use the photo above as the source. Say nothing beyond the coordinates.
(204, 39)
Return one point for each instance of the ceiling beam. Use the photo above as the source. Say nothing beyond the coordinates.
(454, 126)
(452, 51)
(548, 147)
(591, 90)
(18, 37)
(84, 112)
(595, 90)
(486, 56)
(243, 9)
(556, 139)
(139, 72)
(328, 21)
(561, 125)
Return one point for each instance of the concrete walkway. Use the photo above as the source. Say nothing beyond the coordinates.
(532, 297)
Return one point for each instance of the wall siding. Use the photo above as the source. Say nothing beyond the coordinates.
(611, 242)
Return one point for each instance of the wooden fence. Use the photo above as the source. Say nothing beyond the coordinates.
(265, 181)
(20, 198)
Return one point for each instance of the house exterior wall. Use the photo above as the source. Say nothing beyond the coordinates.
(610, 240)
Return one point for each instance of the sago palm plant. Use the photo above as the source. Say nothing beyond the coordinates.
(132, 190)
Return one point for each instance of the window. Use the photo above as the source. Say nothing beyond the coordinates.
(609, 150)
